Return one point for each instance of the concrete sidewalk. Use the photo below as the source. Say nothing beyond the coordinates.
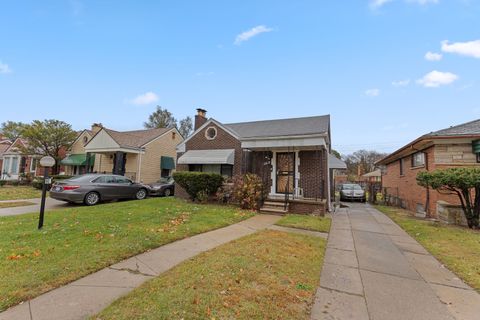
(91, 294)
(375, 270)
(50, 204)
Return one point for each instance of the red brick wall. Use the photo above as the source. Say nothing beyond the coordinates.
(313, 174)
(406, 188)
(223, 140)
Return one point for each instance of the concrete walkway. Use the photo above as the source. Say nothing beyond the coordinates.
(93, 293)
(375, 270)
(50, 204)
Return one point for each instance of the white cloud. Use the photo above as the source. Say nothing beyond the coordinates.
(372, 92)
(4, 68)
(401, 83)
(432, 56)
(247, 35)
(146, 98)
(375, 4)
(436, 79)
(424, 2)
(469, 48)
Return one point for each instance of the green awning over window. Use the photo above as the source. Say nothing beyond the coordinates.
(476, 146)
(167, 163)
(78, 160)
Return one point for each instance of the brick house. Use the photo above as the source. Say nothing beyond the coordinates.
(290, 155)
(15, 164)
(141, 155)
(457, 146)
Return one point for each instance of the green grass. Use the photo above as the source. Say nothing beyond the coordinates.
(80, 240)
(456, 247)
(267, 275)
(314, 223)
(19, 192)
(15, 204)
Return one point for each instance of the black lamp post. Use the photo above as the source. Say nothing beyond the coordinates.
(46, 162)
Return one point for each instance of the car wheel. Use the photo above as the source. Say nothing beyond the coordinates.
(141, 194)
(167, 192)
(91, 198)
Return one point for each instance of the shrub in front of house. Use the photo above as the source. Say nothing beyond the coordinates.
(195, 182)
(248, 191)
(3, 182)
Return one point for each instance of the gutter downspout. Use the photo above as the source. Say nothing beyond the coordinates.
(139, 167)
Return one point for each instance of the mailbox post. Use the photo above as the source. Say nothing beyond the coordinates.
(46, 162)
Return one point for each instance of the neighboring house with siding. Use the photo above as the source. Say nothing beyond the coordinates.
(77, 160)
(141, 155)
(457, 146)
(290, 156)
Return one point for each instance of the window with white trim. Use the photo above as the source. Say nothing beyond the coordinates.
(418, 159)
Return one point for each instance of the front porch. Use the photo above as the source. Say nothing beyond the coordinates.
(123, 163)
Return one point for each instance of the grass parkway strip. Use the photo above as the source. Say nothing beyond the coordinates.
(80, 240)
(267, 275)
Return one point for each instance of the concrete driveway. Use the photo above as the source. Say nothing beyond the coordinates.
(375, 270)
(50, 204)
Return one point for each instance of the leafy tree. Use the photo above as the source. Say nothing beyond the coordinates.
(160, 118)
(463, 182)
(48, 138)
(336, 154)
(12, 130)
(186, 127)
(362, 161)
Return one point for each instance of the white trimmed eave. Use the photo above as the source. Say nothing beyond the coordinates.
(301, 141)
(113, 150)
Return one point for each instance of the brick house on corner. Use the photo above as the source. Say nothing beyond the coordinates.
(457, 146)
(290, 155)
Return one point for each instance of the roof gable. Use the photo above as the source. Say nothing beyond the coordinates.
(101, 140)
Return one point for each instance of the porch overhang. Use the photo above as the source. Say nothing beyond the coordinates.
(298, 142)
(211, 156)
(113, 150)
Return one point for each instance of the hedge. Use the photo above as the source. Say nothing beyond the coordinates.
(196, 182)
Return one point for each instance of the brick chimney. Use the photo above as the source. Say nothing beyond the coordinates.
(96, 127)
(200, 118)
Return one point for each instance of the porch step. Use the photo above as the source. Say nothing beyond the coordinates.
(273, 210)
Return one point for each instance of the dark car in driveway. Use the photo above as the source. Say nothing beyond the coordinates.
(163, 187)
(90, 189)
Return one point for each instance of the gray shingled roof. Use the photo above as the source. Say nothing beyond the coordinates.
(469, 128)
(281, 127)
(135, 139)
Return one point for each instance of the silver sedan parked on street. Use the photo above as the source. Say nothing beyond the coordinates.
(90, 189)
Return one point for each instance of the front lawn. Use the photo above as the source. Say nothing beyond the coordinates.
(80, 240)
(19, 192)
(12, 204)
(313, 223)
(456, 247)
(267, 275)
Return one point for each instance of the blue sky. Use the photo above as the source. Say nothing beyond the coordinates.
(363, 62)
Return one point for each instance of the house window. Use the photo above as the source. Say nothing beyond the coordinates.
(85, 139)
(195, 167)
(418, 159)
(402, 169)
(173, 135)
(478, 157)
(226, 170)
(165, 173)
(211, 133)
(33, 165)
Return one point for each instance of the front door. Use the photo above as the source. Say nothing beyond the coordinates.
(285, 172)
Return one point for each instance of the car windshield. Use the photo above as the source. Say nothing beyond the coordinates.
(83, 178)
(165, 180)
(352, 187)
